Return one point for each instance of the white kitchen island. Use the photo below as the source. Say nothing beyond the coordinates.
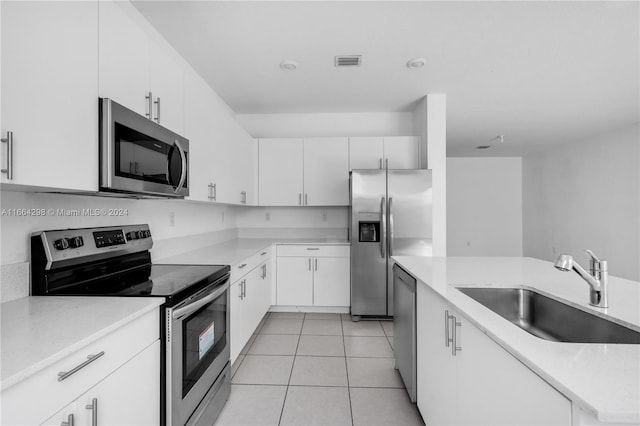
(511, 370)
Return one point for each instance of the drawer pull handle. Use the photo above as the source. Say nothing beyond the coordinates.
(90, 358)
(69, 421)
(93, 407)
(263, 253)
(242, 266)
(313, 248)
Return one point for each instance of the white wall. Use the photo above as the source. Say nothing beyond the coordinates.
(328, 124)
(586, 195)
(430, 123)
(189, 218)
(484, 206)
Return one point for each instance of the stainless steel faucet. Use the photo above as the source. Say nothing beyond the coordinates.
(596, 277)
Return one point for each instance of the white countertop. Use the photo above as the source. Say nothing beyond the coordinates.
(235, 251)
(602, 379)
(39, 331)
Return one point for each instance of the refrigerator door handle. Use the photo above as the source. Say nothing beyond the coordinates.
(383, 233)
(390, 226)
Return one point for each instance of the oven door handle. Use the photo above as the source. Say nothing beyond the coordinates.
(194, 306)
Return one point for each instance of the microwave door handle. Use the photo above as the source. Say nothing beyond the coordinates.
(183, 172)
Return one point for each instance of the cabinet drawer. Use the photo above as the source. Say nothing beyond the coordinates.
(40, 396)
(314, 250)
(247, 265)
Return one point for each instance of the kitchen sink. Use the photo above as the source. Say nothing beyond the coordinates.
(548, 318)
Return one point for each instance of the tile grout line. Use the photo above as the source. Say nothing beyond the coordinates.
(295, 354)
(346, 367)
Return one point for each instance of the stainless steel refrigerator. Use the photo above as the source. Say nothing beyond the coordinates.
(391, 215)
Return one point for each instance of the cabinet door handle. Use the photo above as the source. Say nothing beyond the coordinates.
(446, 328)
(157, 102)
(454, 344)
(305, 199)
(264, 271)
(380, 167)
(313, 248)
(9, 141)
(94, 411)
(69, 421)
(210, 194)
(300, 198)
(149, 98)
(386, 164)
(243, 197)
(215, 192)
(309, 263)
(241, 291)
(90, 358)
(316, 262)
(263, 253)
(242, 266)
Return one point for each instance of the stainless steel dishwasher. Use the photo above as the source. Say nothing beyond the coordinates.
(404, 328)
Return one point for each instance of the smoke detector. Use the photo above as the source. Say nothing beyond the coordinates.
(289, 65)
(415, 63)
(348, 61)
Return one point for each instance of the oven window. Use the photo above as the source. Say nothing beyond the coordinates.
(204, 337)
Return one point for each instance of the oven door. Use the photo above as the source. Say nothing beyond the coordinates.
(197, 348)
(140, 156)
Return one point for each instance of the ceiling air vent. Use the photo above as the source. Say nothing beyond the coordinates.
(348, 61)
(483, 146)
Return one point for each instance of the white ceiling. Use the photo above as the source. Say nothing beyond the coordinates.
(540, 73)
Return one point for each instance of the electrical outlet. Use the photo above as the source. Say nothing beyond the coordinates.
(324, 216)
(172, 219)
(267, 216)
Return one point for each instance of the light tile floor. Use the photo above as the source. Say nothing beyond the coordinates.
(318, 369)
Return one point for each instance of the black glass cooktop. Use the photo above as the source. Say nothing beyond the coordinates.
(173, 282)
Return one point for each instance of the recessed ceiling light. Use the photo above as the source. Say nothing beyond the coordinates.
(415, 63)
(289, 65)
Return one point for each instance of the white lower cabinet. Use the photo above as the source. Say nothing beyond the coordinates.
(481, 384)
(313, 276)
(295, 281)
(128, 396)
(121, 370)
(250, 299)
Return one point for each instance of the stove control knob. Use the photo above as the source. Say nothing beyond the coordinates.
(61, 244)
(147, 233)
(132, 235)
(140, 234)
(76, 242)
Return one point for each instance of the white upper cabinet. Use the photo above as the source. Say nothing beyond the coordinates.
(123, 58)
(326, 171)
(304, 172)
(392, 152)
(50, 94)
(280, 170)
(366, 153)
(402, 152)
(167, 86)
(136, 71)
(204, 164)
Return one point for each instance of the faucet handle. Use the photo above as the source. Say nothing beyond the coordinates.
(594, 258)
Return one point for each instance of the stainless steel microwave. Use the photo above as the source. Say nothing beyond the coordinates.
(138, 156)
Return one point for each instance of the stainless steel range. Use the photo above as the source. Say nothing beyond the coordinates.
(194, 320)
